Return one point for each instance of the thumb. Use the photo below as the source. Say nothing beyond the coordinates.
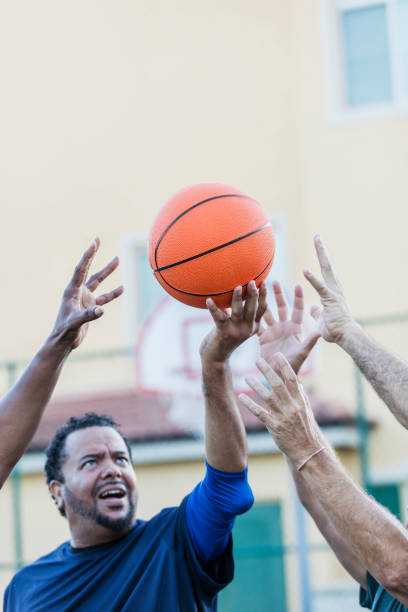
(90, 314)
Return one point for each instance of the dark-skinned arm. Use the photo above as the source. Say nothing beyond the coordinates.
(22, 407)
(225, 437)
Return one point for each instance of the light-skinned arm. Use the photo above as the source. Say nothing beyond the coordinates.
(285, 335)
(22, 407)
(225, 437)
(384, 371)
(372, 534)
(344, 553)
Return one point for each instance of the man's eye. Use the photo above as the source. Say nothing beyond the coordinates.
(89, 462)
(121, 459)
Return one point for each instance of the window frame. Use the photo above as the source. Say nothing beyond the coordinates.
(334, 66)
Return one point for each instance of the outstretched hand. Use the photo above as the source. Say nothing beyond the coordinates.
(334, 317)
(285, 334)
(232, 330)
(287, 413)
(79, 305)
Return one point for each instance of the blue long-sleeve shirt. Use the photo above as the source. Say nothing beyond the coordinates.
(212, 507)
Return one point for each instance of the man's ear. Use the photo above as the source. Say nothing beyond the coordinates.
(55, 487)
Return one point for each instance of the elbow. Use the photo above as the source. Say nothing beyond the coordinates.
(246, 500)
(239, 501)
(239, 462)
(242, 463)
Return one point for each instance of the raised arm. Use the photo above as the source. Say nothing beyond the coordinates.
(214, 503)
(387, 373)
(372, 534)
(347, 557)
(21, 408)
(285, 335)
(225, 438)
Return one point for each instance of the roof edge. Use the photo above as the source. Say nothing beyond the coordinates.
(178, 451)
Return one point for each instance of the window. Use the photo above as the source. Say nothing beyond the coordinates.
(367, 53)
(387, 495)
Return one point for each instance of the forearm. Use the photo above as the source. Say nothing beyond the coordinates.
(387, 373)
(375, 536)
(22, 407)
(347, 557)
(225, 438)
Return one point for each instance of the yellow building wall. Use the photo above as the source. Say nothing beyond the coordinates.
(107, 108)
(105, 116)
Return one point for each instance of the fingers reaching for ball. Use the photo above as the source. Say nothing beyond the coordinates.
(234, 328)
(285, 411)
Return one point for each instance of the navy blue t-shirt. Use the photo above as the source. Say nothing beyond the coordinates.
(376, 598)
(153, 568)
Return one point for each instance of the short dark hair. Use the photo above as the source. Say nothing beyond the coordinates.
(55, 451)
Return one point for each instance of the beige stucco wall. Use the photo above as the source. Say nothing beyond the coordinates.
(107, 108)
(106, 115)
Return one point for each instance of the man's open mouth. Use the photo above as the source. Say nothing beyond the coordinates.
(112, 493)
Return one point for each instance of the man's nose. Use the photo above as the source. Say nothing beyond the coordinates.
(111, 469)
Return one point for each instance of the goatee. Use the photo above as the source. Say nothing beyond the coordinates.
(91, 513)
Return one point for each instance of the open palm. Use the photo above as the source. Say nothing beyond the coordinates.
(285, 334)
(79, 305)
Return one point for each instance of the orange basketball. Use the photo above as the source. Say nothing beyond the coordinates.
(208, 239)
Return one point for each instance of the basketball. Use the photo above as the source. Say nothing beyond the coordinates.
(208, 239)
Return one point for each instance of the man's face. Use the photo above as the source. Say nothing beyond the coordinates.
(99, 488)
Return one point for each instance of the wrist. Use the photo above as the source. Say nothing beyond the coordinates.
(212, 367)
(351, 333)
(321, 462)
(56, 346)
(309, 457)
(212, 353)
(300, 450)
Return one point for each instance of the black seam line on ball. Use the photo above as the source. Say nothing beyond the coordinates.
(227, 195)
(214, 294)
(217, 248)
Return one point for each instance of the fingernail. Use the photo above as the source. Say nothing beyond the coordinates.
(98, 310)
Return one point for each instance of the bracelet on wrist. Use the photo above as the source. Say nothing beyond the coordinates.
(319, 450)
